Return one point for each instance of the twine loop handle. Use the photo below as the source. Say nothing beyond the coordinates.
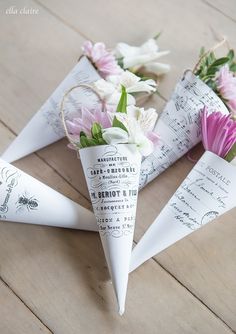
(216, 46)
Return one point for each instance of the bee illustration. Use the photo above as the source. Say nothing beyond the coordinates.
(26, 202)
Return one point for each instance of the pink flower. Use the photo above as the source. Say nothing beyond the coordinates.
(226, 85)
(103, 60)
(218, 132)
(85, 121)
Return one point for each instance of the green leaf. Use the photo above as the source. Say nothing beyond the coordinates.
(211, 84)
(82, 134)
(207, 77)
(122, 105)
(233, 67)
(101, 141)
(83, 142)
(118, 124)
(231, 154)
(211, 57)
(91, 142)
(120, 62)
(96, 131)
(220, 62)
(157, 35)
(87, 142)
(202, 51)
(212, 71)
(230, 55)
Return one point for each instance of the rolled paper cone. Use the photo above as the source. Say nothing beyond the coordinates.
(208, 192)
(179, 125)
(47, 120)
(112, 175)
(27, 200)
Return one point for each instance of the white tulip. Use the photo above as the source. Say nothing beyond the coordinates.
(114, 136)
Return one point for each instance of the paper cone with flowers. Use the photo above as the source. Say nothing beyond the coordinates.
(212, 84)
(121, 66)
(47, 120)
(111, 145)
(208, 191)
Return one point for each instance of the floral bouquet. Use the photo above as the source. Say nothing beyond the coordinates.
(208, 191)
(108, 70)
(212, 84)
(110, 145)
(27, 200)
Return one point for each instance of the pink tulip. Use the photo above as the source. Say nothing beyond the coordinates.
(218, 132)
(103, 60)
(226, 85)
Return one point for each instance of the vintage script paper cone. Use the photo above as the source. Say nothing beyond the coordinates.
(179, 125)
(208, 192)
(112, 175)
(26, 200)
(46, 127)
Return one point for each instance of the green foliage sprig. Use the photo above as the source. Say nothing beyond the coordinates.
(95, 139)
(209, 65)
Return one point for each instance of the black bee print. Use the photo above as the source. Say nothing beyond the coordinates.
(26, 202)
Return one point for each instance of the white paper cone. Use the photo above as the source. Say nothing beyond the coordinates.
(27, 200)
(179, 125)
(208, 191)
(112, 175)
(46, 127)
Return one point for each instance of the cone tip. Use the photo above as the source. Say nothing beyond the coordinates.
(121, 311)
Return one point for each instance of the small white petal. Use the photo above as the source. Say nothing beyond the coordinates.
(157, 68)
(115, 136)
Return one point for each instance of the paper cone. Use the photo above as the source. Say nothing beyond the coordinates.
(179, 125)
(27, 200)
(46, 127)
(112, 175)
(208, 191)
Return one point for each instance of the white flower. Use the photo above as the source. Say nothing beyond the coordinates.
(115, 136)
(110, 92)
(104, 88)
(145, 55)
(139, 123)
(146, 118)
(136, 136)
(110, 89)
(132, 83)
